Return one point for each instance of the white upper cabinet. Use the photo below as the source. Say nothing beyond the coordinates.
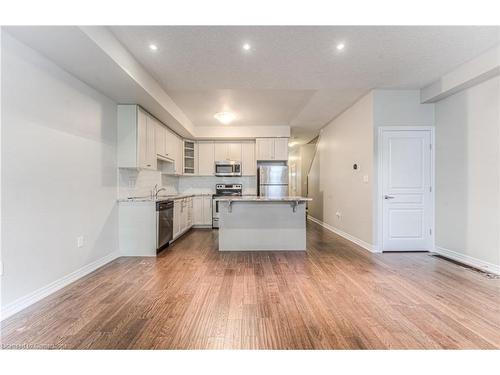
(206, 158)
(179, 155)
(227, 151)
(190, 157)
(142, 139)
(136, 138)
(264, 148)
(160, 140)
(248, 164)
(235, 151)
(272, 149)
(150, 143)
(221, 151)
(171, 141)
(281, 149)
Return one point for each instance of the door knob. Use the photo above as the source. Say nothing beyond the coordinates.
(389, 197)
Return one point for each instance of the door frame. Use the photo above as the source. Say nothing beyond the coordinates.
(379, 189)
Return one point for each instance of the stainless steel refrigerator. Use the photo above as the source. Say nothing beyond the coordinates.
(272, 181)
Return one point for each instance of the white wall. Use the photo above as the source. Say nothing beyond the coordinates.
(333, 184)
(59, 176)
(401, 108)
(471, 73)
(468, 172)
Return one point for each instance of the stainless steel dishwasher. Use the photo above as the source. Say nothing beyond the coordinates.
(164, 223)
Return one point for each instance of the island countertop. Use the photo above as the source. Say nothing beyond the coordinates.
(253, 223)
(255, 198)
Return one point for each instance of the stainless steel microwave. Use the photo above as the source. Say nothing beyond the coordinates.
(227, 168)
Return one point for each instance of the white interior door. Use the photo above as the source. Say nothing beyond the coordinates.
(407, 205)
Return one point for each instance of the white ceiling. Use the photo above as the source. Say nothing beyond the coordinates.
(294, 75)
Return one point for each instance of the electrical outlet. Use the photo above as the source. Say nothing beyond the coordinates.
(365, 178)
(79, 241)
(338, 214)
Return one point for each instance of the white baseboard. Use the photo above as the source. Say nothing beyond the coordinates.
(347, 236)
(470, 261)
(35, 296)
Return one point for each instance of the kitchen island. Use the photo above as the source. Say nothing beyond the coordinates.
(262, 223)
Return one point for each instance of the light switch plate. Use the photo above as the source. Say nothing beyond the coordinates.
(79, 241)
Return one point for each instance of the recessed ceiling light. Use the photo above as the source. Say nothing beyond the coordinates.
(153, 47)
(247, 47)
(340, 46)
(225, 117)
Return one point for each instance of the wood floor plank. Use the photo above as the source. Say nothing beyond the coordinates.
(334, 296)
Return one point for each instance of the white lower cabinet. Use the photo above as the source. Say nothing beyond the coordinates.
(177, 218)
(137, 228)
(202, 206)
(183, 216)
(198, 210)
(207, 210)
(189, 203)
(138, 222)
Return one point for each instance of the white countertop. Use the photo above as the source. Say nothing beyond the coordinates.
(243, 198)
(161, 197)
(254, 198)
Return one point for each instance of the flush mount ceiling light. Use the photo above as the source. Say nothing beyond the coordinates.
(292, 144)
(225, 117)
(153, 47)
(247, 47)
(340, 46)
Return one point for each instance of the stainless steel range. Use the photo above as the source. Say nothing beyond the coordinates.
(223, 190)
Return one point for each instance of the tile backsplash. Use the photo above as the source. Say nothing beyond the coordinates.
(138, 183)
(134, 183)
(206, 184)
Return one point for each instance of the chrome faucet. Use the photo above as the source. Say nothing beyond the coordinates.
(155, 191)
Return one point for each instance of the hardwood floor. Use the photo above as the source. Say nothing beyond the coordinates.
(335, 296)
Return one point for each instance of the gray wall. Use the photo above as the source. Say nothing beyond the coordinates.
(59, 177)
(306, 158)
(352, 138)
(468, 172)
(333, 184)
